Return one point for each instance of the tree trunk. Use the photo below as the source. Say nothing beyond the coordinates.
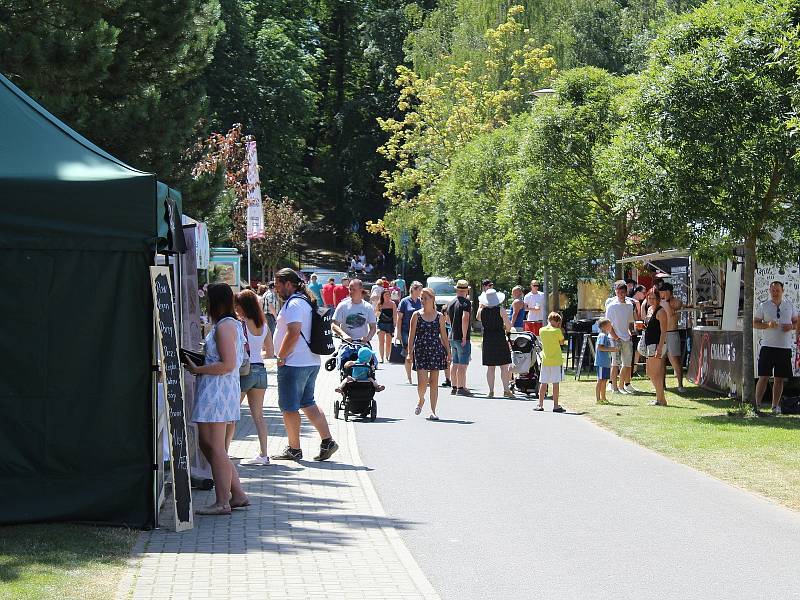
(748, 384)
(554, 294)
(619, 247)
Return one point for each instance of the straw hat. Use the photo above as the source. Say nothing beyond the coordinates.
(491, 297)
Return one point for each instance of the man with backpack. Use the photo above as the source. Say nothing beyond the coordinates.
(298, 345)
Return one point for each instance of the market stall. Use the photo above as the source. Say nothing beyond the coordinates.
(712, 318)
(78, 232)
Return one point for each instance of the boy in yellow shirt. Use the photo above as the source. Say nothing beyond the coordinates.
(552, 371)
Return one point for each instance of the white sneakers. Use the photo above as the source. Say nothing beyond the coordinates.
(257, 460)
(776, 410)
(629, 389)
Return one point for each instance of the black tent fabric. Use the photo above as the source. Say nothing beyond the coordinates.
(78, 229)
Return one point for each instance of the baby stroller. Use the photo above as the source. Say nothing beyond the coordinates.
(525, 363)
(358, 397)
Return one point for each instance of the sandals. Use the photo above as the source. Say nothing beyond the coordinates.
(213, 510)
(538, 408)
(244, 504)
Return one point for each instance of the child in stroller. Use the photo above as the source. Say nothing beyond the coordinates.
(360, 370)
(358, 385)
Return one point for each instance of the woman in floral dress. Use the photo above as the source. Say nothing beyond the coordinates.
(429, 350)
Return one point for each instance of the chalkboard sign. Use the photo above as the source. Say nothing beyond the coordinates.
(172, 378)
(586, 342)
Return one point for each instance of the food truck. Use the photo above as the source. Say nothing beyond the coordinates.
(712, 317)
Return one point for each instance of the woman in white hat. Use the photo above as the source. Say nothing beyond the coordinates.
(496, 350)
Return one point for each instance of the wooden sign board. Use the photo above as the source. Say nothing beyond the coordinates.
(587, 342)
(172, 379)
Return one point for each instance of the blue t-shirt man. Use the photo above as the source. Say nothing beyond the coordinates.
(407, 306)
(316, 288)
(401, 283)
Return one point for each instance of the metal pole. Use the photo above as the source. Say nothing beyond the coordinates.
(248, 261)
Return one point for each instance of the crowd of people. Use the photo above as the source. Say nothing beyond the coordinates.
(275, 321)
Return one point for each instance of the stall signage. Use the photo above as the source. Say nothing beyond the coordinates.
(172, 380)
(716, 360)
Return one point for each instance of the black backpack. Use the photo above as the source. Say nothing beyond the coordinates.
(321, 341)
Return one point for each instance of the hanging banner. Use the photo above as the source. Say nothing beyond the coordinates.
(255, 211)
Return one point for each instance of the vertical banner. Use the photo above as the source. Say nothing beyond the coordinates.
(171, 377)
(255, 212)
(191, 336)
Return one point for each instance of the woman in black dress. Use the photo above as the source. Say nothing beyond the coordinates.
(429, 349)
(496, 349)
(386, 311)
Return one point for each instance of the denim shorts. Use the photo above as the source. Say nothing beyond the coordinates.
(256, 380)
(461, 354)
(296, 387)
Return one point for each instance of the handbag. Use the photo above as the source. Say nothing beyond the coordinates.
(244, 368)
(397, 354)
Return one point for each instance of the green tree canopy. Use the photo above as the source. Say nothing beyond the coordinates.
(713, 112)
(124, 74)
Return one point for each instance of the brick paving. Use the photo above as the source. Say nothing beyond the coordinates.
(313, 530)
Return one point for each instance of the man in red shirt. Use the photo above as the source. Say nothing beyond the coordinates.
(327, 293)
(341, 291)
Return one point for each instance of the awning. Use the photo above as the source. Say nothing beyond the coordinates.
(653, 256)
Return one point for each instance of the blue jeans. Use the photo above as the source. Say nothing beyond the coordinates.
(461, 354)
(296, 387)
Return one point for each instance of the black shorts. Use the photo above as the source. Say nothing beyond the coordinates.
(775, 361)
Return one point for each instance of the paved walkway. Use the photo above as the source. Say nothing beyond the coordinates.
(314, 530)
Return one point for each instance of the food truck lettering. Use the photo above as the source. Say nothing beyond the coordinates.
(723, 352)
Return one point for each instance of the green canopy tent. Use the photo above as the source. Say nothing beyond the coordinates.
(78, 231)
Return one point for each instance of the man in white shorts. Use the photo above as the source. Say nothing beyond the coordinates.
(620, 311)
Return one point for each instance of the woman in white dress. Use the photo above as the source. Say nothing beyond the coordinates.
(217, 398)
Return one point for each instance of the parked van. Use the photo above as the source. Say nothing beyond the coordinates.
(444, 288)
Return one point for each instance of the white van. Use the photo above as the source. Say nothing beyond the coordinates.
(444, 288)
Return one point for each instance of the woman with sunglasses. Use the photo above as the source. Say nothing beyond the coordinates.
(652, 344)
(428, 350)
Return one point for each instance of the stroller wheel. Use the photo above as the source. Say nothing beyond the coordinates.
(373, 413)
(335, 409)
(330, 364)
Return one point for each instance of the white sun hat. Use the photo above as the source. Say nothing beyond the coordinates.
(491, 297)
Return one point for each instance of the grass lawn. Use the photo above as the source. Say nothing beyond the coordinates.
(759, 454)
(62, 561)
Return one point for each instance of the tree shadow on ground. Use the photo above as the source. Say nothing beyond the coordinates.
(293, 508)
(765, 421)
(27, 550)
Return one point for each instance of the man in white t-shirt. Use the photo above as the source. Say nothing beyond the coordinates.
(777, 320)
(534, 303)
(620, 311)
(355, 319)
(298, 367)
